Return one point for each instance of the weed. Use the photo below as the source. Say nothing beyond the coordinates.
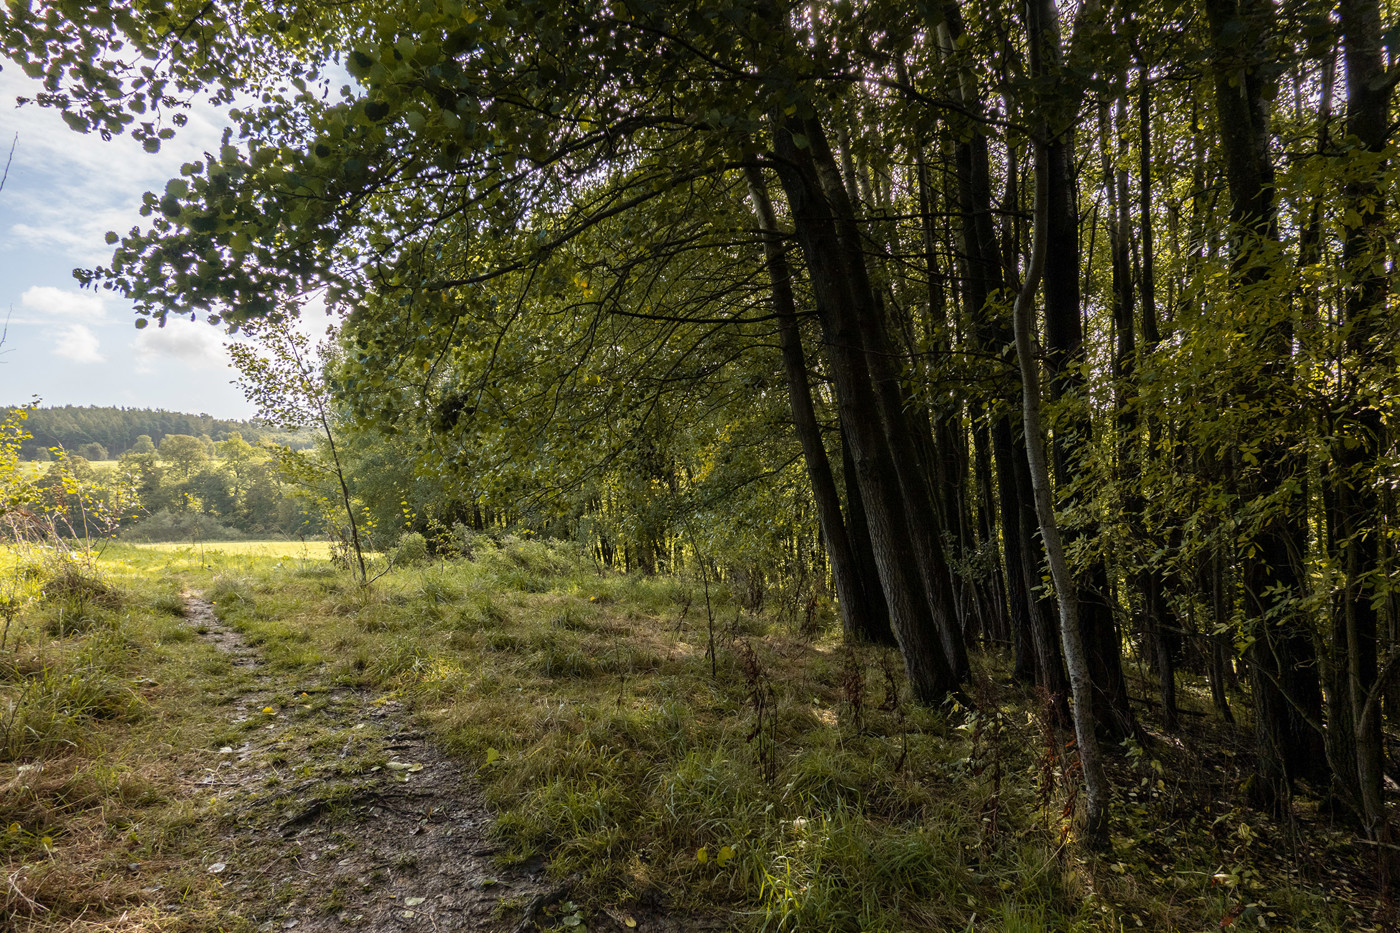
(169, 603)
(760, 700)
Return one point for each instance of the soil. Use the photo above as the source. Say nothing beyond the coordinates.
(342, 816)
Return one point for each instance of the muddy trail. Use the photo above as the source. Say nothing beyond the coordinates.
(340, 815)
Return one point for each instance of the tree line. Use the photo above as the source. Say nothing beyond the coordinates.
(1069, 331)
(186, 488)
(105, 433)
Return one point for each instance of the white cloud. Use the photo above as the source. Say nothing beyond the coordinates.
(194, 344)
(78, 343)
(65, 303)
(66, 189)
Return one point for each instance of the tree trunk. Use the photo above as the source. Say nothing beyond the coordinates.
(851, 328)
(1086, 738)
(1064, 354)
(1359, 456)
(1033, 628)
(1283, 663)
(858, 620)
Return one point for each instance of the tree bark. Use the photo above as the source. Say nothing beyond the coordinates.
(1086, 738)
(851, 329)
(1283, 669)
(859, 621)
(1064, 353)
(1358, 456)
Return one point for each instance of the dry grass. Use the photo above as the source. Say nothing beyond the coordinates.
(298, 550)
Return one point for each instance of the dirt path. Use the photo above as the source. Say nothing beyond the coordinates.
(341, 816)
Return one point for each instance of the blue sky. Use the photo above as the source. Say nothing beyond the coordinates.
(64, 191)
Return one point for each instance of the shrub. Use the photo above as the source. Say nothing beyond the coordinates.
(412, 549)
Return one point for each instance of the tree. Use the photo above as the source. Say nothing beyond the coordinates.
(567, 306)
(184, 453)
(280, 374)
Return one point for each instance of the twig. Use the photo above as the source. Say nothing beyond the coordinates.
(13, 143)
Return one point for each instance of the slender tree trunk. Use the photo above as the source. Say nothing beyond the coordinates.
(1358, 457)
(846, 308)
(1064, 353)
(1033, 628)
(1086, 738)
(1283, 662)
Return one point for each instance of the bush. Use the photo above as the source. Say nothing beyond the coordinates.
(412, 549)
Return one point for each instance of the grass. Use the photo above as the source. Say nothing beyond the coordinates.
(795, 790)
(98, 714)
(300, 550)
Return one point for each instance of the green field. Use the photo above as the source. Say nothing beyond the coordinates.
(32, 468)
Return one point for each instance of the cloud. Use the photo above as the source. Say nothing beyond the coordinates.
(196, 345)
(65, 303)
(77, 343)
(66, 189)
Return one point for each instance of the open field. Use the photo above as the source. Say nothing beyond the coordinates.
(32, 468)
(300, 550)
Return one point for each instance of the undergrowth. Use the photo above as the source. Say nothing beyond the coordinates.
(95, 832)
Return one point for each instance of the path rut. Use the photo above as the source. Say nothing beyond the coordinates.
(342, 816)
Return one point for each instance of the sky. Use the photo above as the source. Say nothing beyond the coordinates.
(71, 346)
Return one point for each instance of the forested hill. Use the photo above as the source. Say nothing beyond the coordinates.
(115, 430)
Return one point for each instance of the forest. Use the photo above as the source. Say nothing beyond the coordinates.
(1053, 346)
(115, 431)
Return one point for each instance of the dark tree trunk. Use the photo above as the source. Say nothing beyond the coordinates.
(1282, 660)
(880, 448)
(859, 620)
(1358, 457)
(1034, 633)
(1064, 353)
(858, 528)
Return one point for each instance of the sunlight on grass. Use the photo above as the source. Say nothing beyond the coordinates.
(300, 550)
(793, 789)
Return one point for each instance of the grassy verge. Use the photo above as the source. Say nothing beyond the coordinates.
(100, 713)
(784, 784)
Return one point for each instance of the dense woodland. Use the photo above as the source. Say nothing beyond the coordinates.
(184, 489)
(1060, 333)
(115, 431)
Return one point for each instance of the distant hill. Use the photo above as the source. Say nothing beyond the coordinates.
(116, 429)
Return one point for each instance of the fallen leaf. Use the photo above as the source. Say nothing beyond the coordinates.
(414, 901)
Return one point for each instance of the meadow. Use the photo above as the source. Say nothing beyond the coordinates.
(664, 755)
